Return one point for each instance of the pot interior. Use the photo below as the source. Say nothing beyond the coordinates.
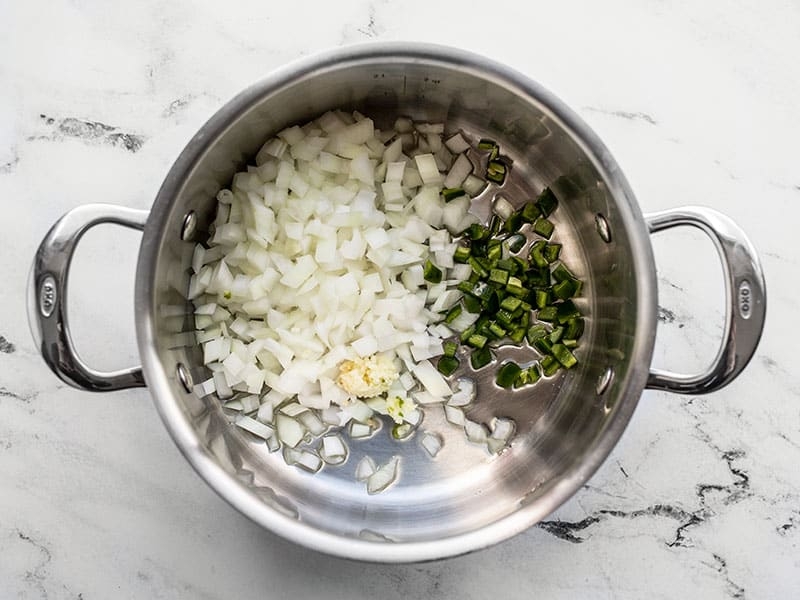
(565, 426)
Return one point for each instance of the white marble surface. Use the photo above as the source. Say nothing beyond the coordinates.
(699, 105)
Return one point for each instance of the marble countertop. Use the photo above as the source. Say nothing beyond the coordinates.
(698, 103)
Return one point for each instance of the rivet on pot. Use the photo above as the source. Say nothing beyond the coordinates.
(604, 381)
(189, 226)
(603, 228)
(184, 377)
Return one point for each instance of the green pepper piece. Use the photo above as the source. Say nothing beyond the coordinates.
(498, 276)
(522, 379)
(472, 304)
(543, 345)
(518, 334)
(515, 243)
(450, 347)
(477, 232)
(513, 223)
(548, 314)
(497, 331)
(536, 332)
(452, 193)
(431, 272)
(448, 365)
(542, 298)
(465, 335)
(533, 373)
(547, 202)
(544, 227)
(453, 313)
(496, 171)
(476, 340)
(477, 267)
(551, 252)
(550, 366)
(566, 310)
(530, 212)
(511, 303)
(505, 318)
(461, 254)
(556, 334)
(537, 253)
(562, 273)
(507, 374)
(574, 328)
(564, 289)
(564, 356)
(494, 251)
(480, 358)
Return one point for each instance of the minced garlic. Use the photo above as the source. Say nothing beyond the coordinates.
(367, 377)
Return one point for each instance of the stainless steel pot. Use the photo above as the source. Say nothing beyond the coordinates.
(462, 500)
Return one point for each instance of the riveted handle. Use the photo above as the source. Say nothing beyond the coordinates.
(47, 297)
(745, 293)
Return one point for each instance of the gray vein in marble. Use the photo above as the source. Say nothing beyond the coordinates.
(786, 528)
(732, 493)
(37, 576)
(666, 281)
(370, 30)
(566, 530)
(721, 566)
(91, 131)
(6, 347)
(178, 105)
(667, 316)
(624, 114)
(26, 398)
(12, 164)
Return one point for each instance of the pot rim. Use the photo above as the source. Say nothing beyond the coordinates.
(234, 491)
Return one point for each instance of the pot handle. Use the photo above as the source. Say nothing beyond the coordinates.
(47, 297)
(745, 293)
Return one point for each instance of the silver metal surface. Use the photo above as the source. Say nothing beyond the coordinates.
(47, 297)
(605, 380)
(464, 499)
(603, 229)
(745, 294)
(189, 226)
(184, 377)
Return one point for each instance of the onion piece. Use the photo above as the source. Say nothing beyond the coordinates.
(476, 432)
(431, 379)
(457, 144)
(289, 430)
(461, 168)
(502, 207)
(360, 431)
(365, 468)
(502, 428)
(384, 476)
(255, 427)
(464, 394)
(333, 450)
(428, 170)
(473, 185)
(454, 415)
(432, 442)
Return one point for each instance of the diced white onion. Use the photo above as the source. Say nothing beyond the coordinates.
(254, 427)
(432, 442)
(383, 477)
(476, 432)
(365, 468)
